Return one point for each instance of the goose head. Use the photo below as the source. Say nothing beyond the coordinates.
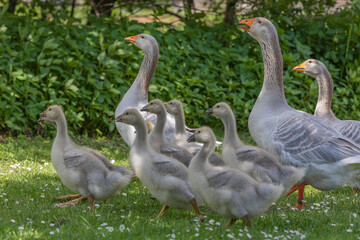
(202, 135)
(143, 41)
(259, 28)
(311, 67)
(131, 116)
(51, 114)
(173, 107)
(156, 106)
(219, 110)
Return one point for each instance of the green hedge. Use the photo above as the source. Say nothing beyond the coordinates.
(87, 68)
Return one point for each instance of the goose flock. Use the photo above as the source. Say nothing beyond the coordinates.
(178, 165)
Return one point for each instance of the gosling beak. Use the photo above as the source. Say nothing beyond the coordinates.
(246, 24)
(300, 67)
(119, 118)
(191, 138)
(132, 39)
(209, 111)
(42, 117)
(145, 108)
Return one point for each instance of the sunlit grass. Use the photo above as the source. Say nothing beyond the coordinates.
(28, 185)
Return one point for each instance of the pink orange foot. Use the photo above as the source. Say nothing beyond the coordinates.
(300, 188)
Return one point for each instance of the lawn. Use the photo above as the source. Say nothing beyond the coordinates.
(28, 185)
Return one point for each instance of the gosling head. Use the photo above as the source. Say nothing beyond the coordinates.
(51, 114)
(259, 28)
(143, 41)
(311, 67)
(219, 110)
(131, 116)
(173, 107)
(202, 135)
(156, 106)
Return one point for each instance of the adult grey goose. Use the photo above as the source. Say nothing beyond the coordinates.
(295, 137)
(137, 95)
(81, 169)
(348, 128)
(166, 178)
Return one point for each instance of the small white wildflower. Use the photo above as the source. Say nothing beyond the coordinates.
(57, 230)
(248, 235)
(110, 229)
(229, 235)
(112, 161)
(52, 224)
(212, 221)
(21, 227)
(124, 194)
(97, 215)
(122, 227)
(12, 220)
(29, 169)
(196, 234)
(46, 163)
(218, 223)
(97, 205)
(173, 235)
(103, 224)
(99, 228)
(122, 216)
(51, 233)
(41, 167)
(42, 222)
(351, 225)
(354, 215)
(333, 224)
(349, 230)
(6, 200)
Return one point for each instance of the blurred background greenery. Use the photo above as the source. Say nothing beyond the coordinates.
(72, 52)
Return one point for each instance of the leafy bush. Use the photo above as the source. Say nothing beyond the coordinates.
(88, 68)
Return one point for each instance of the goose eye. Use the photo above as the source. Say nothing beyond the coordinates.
(151, 103)
(217, 106)
(49, 109)
(199, 131)
(259, 21)
(310, 61)
(142, 37)
(127, 113)
(170, 103)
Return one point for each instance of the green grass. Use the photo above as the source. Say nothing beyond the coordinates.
(28, 184)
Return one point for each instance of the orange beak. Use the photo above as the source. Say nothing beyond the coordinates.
(246, 24)
(131, 39)
(300, 67)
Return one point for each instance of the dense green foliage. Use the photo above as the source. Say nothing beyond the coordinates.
(87, 68)
(28, 185)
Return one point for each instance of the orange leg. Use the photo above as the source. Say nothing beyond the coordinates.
(355, 190)
(300, 188)
(197, 210)
(68, 197)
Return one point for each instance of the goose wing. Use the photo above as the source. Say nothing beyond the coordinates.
(164, 165)
(302, 138)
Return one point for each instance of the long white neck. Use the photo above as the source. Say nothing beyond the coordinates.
(62, 136)
(160, 124)
(146, 73)
(231, 137)
(273, 68)
(180, 121)
(141, 134)
(323, 106)
(201, 158)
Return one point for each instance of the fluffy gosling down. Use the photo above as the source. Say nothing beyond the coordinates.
(165, 178)
(83, 170)
(229, 192)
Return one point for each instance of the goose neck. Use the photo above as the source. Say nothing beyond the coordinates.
(180, 122)
(325, 82)
(231, 136)
(204, 153)
(141, 134)
(273, 67)
(160, 123)
(61, 127)
(147, 70)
